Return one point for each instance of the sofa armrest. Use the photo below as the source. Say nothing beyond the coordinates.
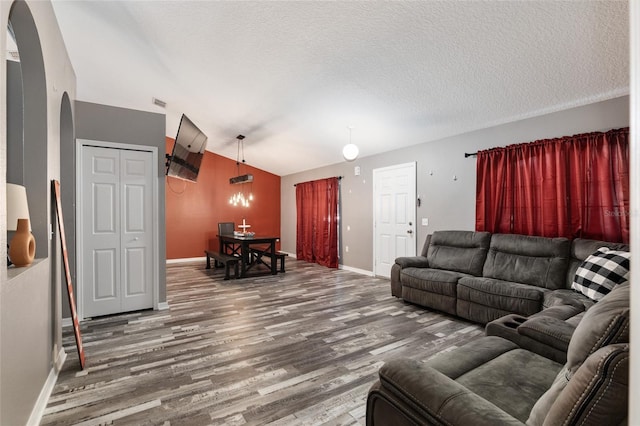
(550, 331)
(561, 312)
(412, 262)
(437, 397)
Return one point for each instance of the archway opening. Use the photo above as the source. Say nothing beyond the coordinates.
(27, 121)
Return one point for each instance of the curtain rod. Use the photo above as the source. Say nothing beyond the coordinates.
(470, 154)
(337, 177)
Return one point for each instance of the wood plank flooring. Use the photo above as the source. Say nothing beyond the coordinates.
(299, 348)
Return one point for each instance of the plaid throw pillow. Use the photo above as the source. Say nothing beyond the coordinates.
(601, 272)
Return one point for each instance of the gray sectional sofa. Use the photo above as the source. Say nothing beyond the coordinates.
(551, 354)
(482, 277)
(493, 381)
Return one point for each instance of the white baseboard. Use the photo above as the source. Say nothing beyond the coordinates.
(186, 259)
(62, 356)
(292, 255)
(162, 306)
(346, 268)
(45, 392)
(356, 270)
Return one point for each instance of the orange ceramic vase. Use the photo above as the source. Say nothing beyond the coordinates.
(22, 248)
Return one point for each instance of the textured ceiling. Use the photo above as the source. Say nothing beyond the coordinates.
(293, 76)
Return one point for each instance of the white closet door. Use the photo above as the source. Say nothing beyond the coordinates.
(136, 229)
(117, 239)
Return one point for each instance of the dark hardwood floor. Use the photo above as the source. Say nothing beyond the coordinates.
(299, 348)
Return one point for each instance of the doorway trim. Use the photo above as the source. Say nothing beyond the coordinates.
(80, 144)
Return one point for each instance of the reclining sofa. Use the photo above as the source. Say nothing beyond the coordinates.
(493, 381)
(551, 355)
(482, 277)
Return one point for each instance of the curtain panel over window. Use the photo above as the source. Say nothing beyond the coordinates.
(574, 186)
(317, 221)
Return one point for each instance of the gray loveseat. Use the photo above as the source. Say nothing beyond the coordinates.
(482, 277)
(493, 381)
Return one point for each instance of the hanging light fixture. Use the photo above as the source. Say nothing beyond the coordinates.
(239, 198)
(350, 150)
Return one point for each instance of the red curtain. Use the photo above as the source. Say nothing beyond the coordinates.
(575, 186)
(317, 221)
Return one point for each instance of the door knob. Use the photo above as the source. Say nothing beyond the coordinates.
(136, 239)
(409, 231)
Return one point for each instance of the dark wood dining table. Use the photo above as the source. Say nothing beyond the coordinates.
(240, 245)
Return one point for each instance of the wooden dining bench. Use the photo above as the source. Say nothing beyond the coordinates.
(260, 254)
(226, 260)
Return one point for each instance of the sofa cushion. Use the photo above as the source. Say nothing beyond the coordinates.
(432, 280)
(537, 261)
(433, 288)
(567, 296)
(460, 251)
(597, 393)
(548, 331)
(422, 395)
(412, 262)
(476, 353)
(486, 368)
(561, 312)
(607, 322)
(513, 381)
(600, 272)
(504, 296)
(582, 248)
(542, 406)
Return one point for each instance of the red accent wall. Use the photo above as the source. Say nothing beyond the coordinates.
(193, 210)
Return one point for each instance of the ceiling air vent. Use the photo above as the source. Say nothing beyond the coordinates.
(161, 104)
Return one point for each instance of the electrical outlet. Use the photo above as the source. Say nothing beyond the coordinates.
(346, 249)
(425, 221)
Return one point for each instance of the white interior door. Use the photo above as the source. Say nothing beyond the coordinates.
(136, 230)
(116, 230)
(394, 194)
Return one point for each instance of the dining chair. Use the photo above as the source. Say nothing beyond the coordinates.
(226, 228)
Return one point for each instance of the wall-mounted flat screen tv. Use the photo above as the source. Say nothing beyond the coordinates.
(188, 151)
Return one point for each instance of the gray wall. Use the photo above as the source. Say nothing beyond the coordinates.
(30, 320)
(15, 149)
(68, 197)
(121, 125)
(447, 203)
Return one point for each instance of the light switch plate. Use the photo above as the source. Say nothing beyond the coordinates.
(425, 221)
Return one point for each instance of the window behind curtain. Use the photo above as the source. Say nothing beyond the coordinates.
(574, 186)
(317, 221)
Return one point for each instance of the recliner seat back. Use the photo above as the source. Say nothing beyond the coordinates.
(460, 251)
(592, 387)
(536, 261)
